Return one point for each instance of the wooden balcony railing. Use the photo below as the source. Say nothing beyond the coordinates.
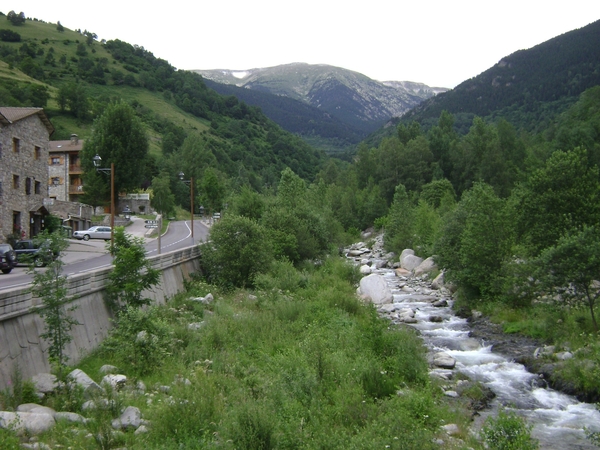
(75, 189)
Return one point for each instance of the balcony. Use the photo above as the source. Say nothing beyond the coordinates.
(73, 189)
(75, 169)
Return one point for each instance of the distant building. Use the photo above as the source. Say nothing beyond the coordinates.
(64, 170)
(65, 185)
(24, 138)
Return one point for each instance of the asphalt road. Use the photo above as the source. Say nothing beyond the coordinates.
(83, 256)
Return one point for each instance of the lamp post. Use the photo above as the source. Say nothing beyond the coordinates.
(191, 184)
(97, 161)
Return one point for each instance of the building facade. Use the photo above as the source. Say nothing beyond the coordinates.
(64, 170)
(24, 143)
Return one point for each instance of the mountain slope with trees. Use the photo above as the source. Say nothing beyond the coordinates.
(528, 88)
(75, 77)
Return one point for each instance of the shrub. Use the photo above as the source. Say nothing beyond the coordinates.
(238, 250)
(508, 432)
(252, 427)
(132, 273)
(9, 36)
(141, 340)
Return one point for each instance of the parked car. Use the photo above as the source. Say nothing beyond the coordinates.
(97, 232)
(8, 258)
(28, 250)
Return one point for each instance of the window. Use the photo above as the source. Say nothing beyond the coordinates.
(28, 186)
(55, 181)
(37, 152)
(55, 160)
(17, 222)
(38, 187)
(0, 149)
(16, 145)
(16, 181)
(0, 188)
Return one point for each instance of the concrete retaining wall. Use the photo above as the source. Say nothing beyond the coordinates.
(20, 329)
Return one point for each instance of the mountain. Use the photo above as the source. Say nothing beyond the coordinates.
(349, 104)
(528, 88)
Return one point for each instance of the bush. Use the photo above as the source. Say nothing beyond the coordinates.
(508, 432)
(9, 36)
(141, 340)
(237, 251)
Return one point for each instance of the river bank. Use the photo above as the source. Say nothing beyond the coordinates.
(519, 370)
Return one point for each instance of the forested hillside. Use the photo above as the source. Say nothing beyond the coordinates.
(313, 124)
(74, 77)
(528, 88)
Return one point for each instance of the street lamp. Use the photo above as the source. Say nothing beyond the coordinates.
(97, 161)
(191, 184)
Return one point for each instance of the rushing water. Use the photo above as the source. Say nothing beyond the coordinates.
(558, 420)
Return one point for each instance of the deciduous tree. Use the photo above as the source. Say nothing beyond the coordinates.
(118, 137)
(571, 269)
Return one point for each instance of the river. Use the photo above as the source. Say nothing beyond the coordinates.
(558, 420)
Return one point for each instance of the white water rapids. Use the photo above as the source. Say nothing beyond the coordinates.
(558, 420)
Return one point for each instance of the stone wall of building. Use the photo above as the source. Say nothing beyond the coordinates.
(58, 176)
(30, 162)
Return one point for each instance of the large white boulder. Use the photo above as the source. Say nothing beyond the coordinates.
(26, 422)
(375, 288)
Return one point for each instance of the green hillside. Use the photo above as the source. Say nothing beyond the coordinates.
(528, 88)
(74, 77)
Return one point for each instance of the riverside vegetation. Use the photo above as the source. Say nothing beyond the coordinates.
(298, 362)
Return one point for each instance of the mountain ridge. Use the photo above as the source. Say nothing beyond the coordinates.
(354, 99)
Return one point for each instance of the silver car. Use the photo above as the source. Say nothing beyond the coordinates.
(98, 232)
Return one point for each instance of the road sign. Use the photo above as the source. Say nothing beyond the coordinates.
(152, 222)
(151, 226)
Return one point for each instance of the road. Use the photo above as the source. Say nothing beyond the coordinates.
(83, 256)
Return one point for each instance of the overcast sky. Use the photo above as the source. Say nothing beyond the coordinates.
(437, 42)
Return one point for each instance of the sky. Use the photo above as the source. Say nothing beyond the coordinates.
(437, 42)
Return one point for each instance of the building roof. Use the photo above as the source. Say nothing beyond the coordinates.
(73, 144)
(10, 115)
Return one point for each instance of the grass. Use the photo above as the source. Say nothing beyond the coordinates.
(305, 367)
(45, 36)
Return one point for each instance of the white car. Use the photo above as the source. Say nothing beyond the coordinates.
(98, 232)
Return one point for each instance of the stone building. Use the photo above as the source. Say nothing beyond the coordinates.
(64, 170)
(24, 141)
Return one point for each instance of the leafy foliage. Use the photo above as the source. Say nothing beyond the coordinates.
(560, 197)
(162, 200)
(118, 138)
(508, 432)
(141, 339)
(132, 273)
(476, 242)
(238, 250)
(49, 284)
(571, 267)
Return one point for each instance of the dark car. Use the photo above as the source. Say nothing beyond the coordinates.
(29, 251)
(8, 258)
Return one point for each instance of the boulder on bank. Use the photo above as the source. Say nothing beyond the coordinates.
(80, 378)
(26, 422)
(425, 267)
(409, 261)
(375, 288)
